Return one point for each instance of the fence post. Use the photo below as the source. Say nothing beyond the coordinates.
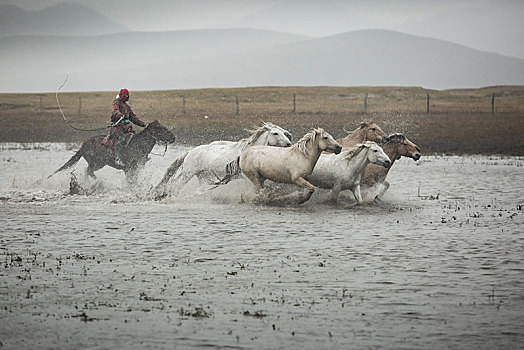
(184, 105)
(493, 103)
(238, 106)
(41, 106)
(294, 103)
(366, 103)
(427, 103)
(79, 105)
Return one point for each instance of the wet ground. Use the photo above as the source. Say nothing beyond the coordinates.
(438, 264)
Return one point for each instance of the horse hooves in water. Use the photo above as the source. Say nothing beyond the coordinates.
(377, 200)
(159, 195)
(74, 186)
(351, 206)
(294, 198)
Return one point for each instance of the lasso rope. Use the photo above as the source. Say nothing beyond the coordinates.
(63, 115)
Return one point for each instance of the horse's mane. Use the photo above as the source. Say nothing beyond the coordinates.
(301, 145)
(149, 127)
(363, 124)
(246, 142)
(396, 137)
(353, 151)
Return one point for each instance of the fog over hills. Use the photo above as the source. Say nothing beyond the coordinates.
(40, 63)
(371, 57)
(59, 19)
(246, 57)
(488, 25)
(99, 54)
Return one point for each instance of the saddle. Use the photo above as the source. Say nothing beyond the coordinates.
(110, 140)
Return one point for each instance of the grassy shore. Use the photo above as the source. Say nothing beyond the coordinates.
(462, 121)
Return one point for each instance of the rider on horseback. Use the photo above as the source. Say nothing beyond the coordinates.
(121, 116)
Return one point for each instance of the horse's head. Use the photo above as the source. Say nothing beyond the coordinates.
(373, 132)
(404, 147)
(326, 142)
(160, 132)
(277, 136)
(376, 154)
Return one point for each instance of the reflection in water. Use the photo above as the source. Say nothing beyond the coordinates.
(115, 269)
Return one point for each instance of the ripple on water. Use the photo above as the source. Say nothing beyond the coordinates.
(410, 272)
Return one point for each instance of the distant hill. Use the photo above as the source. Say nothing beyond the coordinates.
(241, 57)
(39, 63)
(485, 25)
(59, 19)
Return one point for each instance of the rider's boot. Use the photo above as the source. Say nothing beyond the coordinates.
(118, 159)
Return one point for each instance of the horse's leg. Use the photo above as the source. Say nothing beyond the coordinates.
(257, 179)
(132, 175)
(357, 194)
(181, 179)
(91, 171)
(171, 170)
(335, 192)
(383, 188)
(304, 183)
(306, 198)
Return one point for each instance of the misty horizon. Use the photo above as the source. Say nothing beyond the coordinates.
(75, 38)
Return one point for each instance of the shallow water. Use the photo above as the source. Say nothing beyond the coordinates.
(438, 264)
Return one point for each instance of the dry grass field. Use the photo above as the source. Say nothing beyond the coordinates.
(458, 121)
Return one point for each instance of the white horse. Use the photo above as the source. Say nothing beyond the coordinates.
(286, 165)
(343, 172)
(209, 161)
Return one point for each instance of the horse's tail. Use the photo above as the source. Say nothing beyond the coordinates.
(72, 161)
(172, 169)
(232, 170)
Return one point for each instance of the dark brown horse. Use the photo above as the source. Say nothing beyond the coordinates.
(134, 157)
(395, 146)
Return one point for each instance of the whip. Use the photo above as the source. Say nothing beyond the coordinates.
(63, 115)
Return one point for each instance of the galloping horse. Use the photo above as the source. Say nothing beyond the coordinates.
(209, 161)
(396, 146)
(367, 131)
(286, 165)
(134, 157)
(343, 171)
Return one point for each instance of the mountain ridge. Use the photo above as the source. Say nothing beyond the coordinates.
(249, 57)
(62, 18)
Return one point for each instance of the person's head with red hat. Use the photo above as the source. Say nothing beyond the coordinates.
(123, 95)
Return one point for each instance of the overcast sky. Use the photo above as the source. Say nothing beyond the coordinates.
(153, 15)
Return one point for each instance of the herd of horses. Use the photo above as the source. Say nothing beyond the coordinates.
(362, 159)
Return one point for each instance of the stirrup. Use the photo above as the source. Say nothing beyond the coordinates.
(119, 162)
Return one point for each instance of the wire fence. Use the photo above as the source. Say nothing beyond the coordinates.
(275, 101)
